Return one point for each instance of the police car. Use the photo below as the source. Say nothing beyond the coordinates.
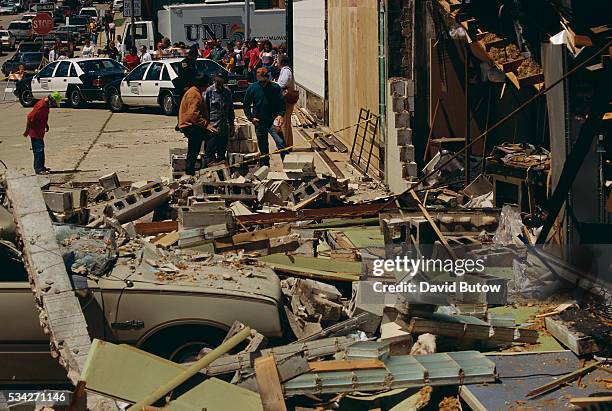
(150, 85)
(78, 80)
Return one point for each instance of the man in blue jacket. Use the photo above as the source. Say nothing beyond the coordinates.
(264, 106)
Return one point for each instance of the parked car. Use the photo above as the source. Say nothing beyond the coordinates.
(60, 14)
(28, 16)
(31, 61)
(77, 80)
(79, 33)
(174, 319)
(21, 29)
(90, 12)
(150, 85)
(8, 8)
(7, 39)
(28, 46)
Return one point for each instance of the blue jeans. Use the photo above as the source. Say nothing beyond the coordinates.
(38, 149)
(261, 131)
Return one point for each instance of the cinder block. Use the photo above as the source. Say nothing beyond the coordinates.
(398, 87)
(261, 173)
(79, 198)
(59, 201)
(201, 204)
(402, 119)
(298, 162)
(139, 203)
(407, 154)
(109, 182)
(190, 217)
(242, 146)
(404, 136)
(409, 170)
(410, 89)
(399, 104)
(243, 132)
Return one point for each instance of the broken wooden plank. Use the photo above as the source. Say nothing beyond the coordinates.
(264, 234)
(314, 267)
(345, 365)
(576, 341)
(269, 384)
(591, 401)
(564, 379)
(168, 240)
(156, 227)
(426, 214)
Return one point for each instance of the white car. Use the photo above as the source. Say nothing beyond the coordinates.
(150, 85)
(7, 40)
(78, 80)
(8, 8)
(21, 29)
(90, 12)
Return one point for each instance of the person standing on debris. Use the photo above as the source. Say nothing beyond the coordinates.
(220, 105)
(264, 106)
(37, 125)
(287, 84)
(193, 121)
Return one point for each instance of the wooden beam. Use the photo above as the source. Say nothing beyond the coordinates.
(426, 214)
(268, 384)
(564, 379)
(265, 234)
(156, 227)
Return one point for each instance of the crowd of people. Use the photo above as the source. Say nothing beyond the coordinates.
(206, 113)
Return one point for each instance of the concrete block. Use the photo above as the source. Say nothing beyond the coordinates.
(402, 119)
(409, 170)
(407, 154)
(201, 204)
(139, 203)
(190, 217)
(297, 162)
(261, 173)
(58, 201)
(398, 87)
(243, 132)
(238, 208)
(410, 89)
(109, 182)
(242, 146)
(79, 198)
(404, 136)
(137, 185)
(399, 104)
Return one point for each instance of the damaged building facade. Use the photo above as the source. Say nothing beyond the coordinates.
(436, 239)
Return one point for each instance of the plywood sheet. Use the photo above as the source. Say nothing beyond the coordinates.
(309, 45)
(352, 63)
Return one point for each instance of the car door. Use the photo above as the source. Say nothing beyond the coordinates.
(24, 347)
(41, 82)
(150, 84)
(131, 86)
(59, 81)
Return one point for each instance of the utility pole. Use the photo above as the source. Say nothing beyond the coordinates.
(247, 20)
(132, 25)
(289, 29)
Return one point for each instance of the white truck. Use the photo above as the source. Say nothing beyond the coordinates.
(195, 23)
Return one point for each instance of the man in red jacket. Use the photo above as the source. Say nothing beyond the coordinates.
(36, 127)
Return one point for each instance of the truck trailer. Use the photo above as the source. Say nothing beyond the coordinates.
(196, 23)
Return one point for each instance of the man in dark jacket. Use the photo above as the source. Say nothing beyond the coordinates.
(187, 69)
(264, 106)
(219, 101)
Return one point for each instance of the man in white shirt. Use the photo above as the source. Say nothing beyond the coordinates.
(287, 83)
(144, 54)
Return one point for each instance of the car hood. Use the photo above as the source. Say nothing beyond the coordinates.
(207, 275)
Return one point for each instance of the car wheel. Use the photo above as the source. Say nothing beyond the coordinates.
(184, 343)
(115, 102)
(168, 105)
(76, 100)
(26, 98)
